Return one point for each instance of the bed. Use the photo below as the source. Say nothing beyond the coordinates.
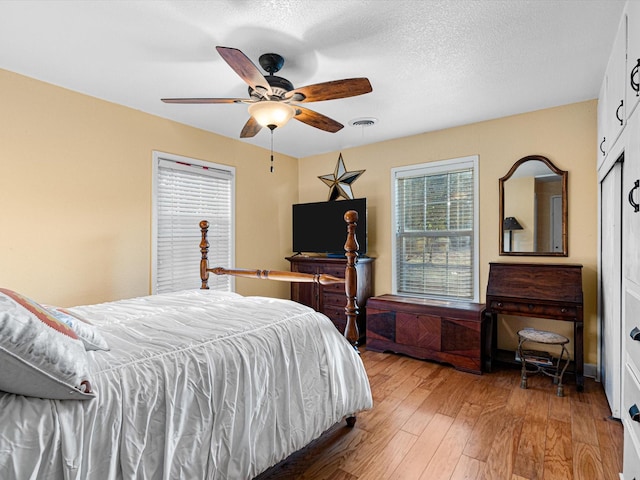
(195, 384)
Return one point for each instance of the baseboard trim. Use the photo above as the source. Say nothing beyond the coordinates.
(590, 370)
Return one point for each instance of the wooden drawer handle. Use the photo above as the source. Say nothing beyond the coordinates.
(635, 334)
(564, 310)
(634, 413)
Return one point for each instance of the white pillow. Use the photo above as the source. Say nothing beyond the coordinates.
(39, 355)
(87, 333)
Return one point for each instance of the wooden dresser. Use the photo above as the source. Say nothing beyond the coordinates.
(445, 331)
(538, 290)
(331, 299)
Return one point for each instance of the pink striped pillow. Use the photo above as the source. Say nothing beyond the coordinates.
(40, 355)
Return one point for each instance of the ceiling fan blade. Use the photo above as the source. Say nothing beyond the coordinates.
(250, 129)
(204, 100)
(349, 87)
(317, 120)
(244, 67)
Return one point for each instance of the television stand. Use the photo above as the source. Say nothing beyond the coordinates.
(330, 299)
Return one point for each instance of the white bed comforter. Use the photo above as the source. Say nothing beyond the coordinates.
(197, 385)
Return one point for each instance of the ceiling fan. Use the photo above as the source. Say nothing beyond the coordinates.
(273, 100)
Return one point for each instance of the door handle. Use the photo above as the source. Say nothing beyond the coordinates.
(636, 85)
(604, 139)
(635, 334)
(618, 111)
(634, 413)
(635, 206)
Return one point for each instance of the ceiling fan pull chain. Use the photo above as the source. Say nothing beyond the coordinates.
(271, 169)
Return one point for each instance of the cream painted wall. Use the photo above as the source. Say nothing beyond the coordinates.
(75, 191)
(566, 135)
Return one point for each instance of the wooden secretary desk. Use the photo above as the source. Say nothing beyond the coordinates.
(538, 290)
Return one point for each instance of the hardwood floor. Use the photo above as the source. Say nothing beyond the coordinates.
(431, 422)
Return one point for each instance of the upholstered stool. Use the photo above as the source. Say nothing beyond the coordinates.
(542, 362)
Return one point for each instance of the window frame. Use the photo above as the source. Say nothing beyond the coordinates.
(157, 157)
(433, 168)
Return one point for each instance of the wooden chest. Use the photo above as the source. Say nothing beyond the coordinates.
(448, 332)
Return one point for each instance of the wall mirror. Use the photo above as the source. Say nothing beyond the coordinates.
(533, 209)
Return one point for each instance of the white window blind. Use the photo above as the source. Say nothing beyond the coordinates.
(187, 192)
(435, 223)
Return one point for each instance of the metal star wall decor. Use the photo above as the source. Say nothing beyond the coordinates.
(340, 181)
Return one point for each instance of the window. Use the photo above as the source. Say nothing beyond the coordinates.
(435, 238)
(186, 191)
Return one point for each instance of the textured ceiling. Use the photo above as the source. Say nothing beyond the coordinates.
(432, 64)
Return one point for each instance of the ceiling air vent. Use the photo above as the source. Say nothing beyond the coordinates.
(363, 122)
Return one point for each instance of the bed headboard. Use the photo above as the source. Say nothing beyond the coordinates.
(350, 279)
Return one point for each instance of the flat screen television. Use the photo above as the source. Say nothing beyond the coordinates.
(320, 227)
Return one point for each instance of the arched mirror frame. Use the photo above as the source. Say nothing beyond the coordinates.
(563, 176)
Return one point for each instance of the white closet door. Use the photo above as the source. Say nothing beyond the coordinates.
(611, 275)
(631, 194)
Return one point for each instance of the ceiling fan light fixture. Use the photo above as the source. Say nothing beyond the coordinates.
(271, 114)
